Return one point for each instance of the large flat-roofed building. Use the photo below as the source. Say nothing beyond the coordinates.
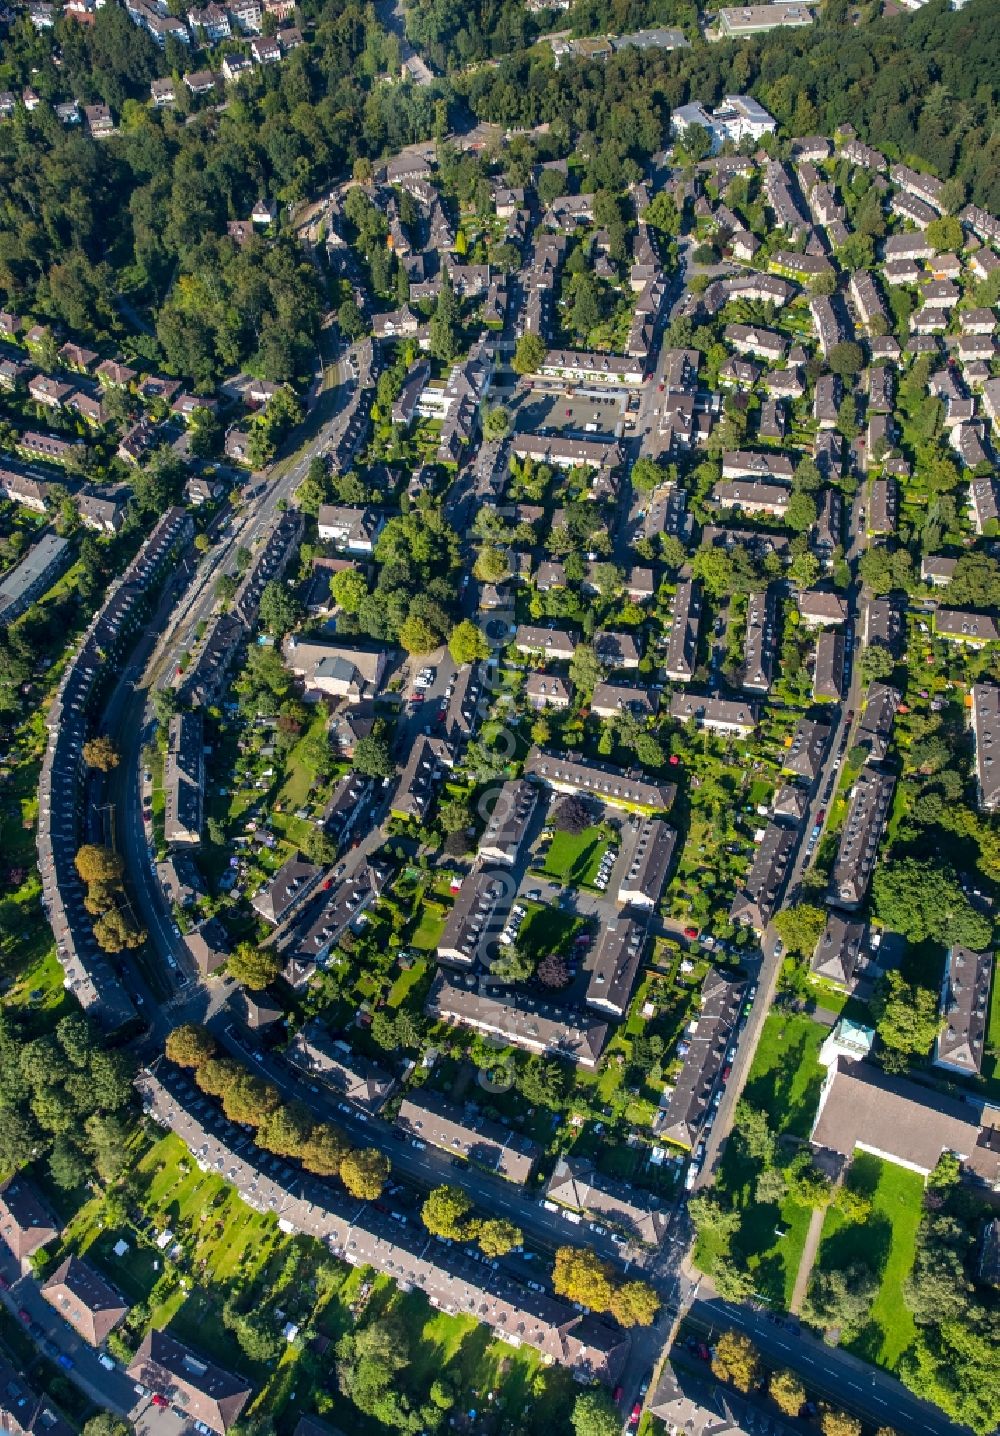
(184, 780)
(682, 645)
(577, 1185)
(986, 736)
(866, 817)
(757, 900)
(736, 21)
(681, 1119)
(205, 1392)
(473, 918)
(864, 1109)
(598, 780)
(539, 1027)
(466, 1134)
(509, 822)
(643, 883)
(335, 1064)
(965, 1000)
(616, 965)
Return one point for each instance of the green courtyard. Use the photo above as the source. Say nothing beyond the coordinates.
(886, 1242)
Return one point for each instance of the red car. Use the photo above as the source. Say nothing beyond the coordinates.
(690, 932)
(725, 1073)
(821, 815)
(633, 1420)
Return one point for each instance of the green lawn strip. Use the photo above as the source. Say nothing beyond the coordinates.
(405, 983)
(546, 929)
(886, 1241)
(427, 933)
(575, 857)
(991, 1063)
(786, 1076)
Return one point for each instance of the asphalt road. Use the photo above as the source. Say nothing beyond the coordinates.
(832, 1374)
(111, 1389)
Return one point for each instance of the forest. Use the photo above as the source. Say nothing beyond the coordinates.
(124, 240)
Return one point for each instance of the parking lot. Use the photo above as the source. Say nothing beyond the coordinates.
(574, 415)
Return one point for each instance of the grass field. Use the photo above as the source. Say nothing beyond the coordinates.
(575, 857)
(786, 1076)
(427, 933)
(991, 1064)
(886, 1241)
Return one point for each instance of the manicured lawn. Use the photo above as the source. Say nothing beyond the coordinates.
(575, 857)
(299, 778)
(886, 1241)
(991, 1065)
(404, 983)
(427, 933)
(546, 929)
(786, 1076)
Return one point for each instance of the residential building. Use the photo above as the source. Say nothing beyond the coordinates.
(509, 822)
(877, 717)
(463, 1133)
(358, 1234)
(554, 643)
(287, 890)
(757, 901)
(544, 690)
(598, 780)
(965, 1000)
(26, 1224)
(867, 813)
(421, 777)
(817, 609)
(986, 736)
(687, 1106)
(473, 926)
(739, 21)
(957, 626)
(30, 578)
(205, 1392)
(682, 646)
(576, 1185)
(751, 496)
(761, 643)
(649, 864)
(336, 670)
(184, 779)
(516, 1018)
(828, 674)
(354, 529)
(838, 952)
(23, 1412)
(720, 715)
(334, 1063)
(81, 1296)
(616, 964)
(609, 699)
